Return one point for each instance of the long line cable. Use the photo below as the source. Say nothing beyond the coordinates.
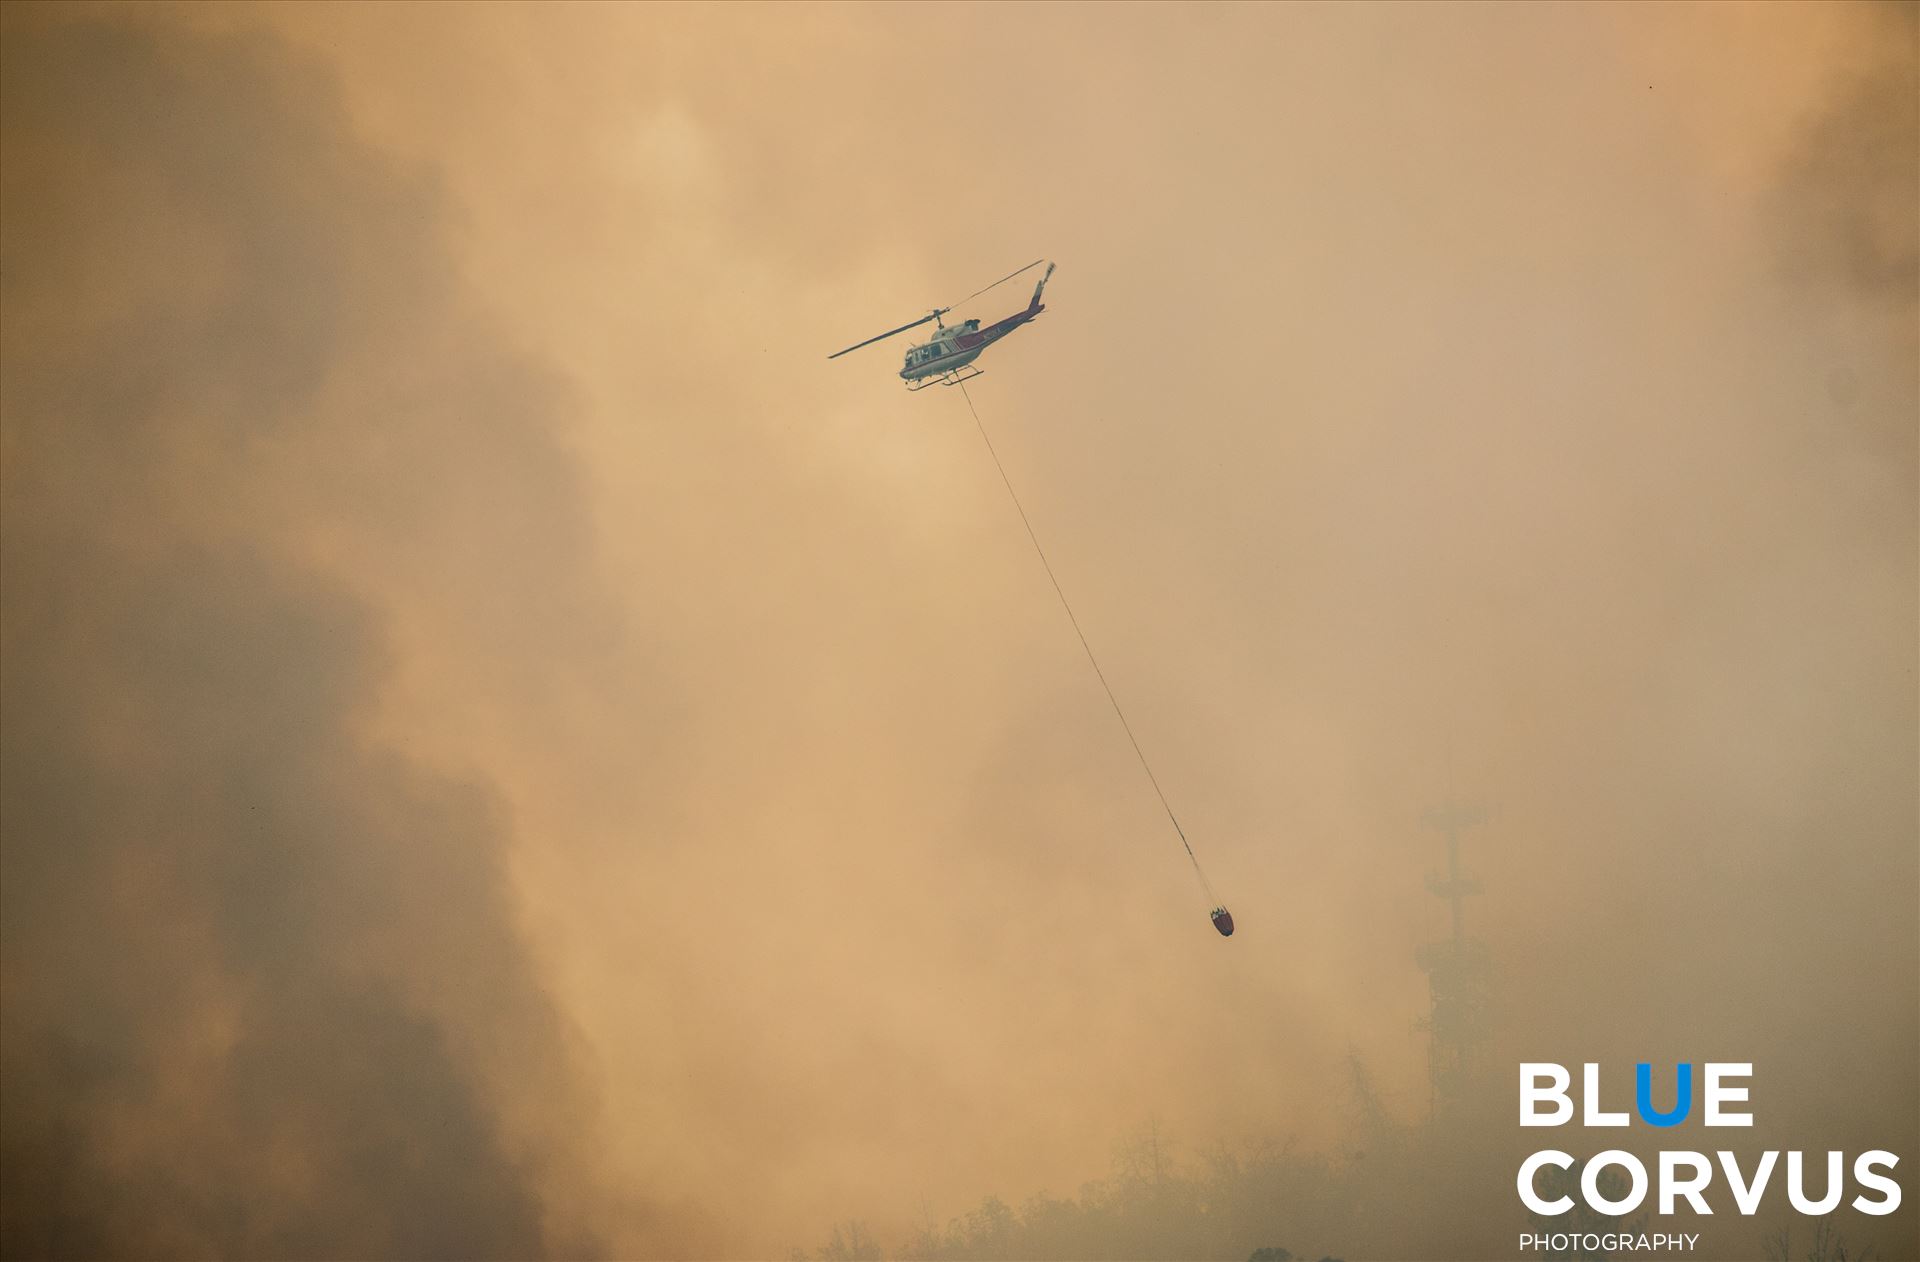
(1091, 659)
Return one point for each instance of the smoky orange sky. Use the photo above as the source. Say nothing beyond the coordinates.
(508, 751)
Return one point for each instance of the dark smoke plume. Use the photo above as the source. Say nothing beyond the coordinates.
(265, 994)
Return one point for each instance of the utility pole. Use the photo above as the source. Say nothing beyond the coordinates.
(1459, 975)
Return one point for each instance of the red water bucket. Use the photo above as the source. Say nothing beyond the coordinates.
(1223, 921)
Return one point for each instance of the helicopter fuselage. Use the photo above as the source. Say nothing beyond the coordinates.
(958, 345)
(948, 357)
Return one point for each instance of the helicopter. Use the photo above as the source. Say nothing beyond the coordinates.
(947, 358)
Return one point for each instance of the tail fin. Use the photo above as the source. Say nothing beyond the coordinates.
(1034, 307)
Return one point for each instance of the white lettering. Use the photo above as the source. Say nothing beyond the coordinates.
(1863, 1172)
(1672, 1187)
(1532, 1199)
(1595, 1117)
(1590, 1181)
(1745, 1196)
(1717, 1094)
(1532, 1094)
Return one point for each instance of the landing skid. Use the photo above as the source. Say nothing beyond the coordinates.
(953, 378)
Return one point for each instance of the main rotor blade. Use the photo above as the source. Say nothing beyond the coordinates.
(889, 333)
(1003, 280)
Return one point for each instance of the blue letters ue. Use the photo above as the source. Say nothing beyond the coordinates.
(1683, 1094)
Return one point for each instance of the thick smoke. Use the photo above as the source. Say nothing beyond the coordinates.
(1847, 201)
(265, 992)
(459, 764)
